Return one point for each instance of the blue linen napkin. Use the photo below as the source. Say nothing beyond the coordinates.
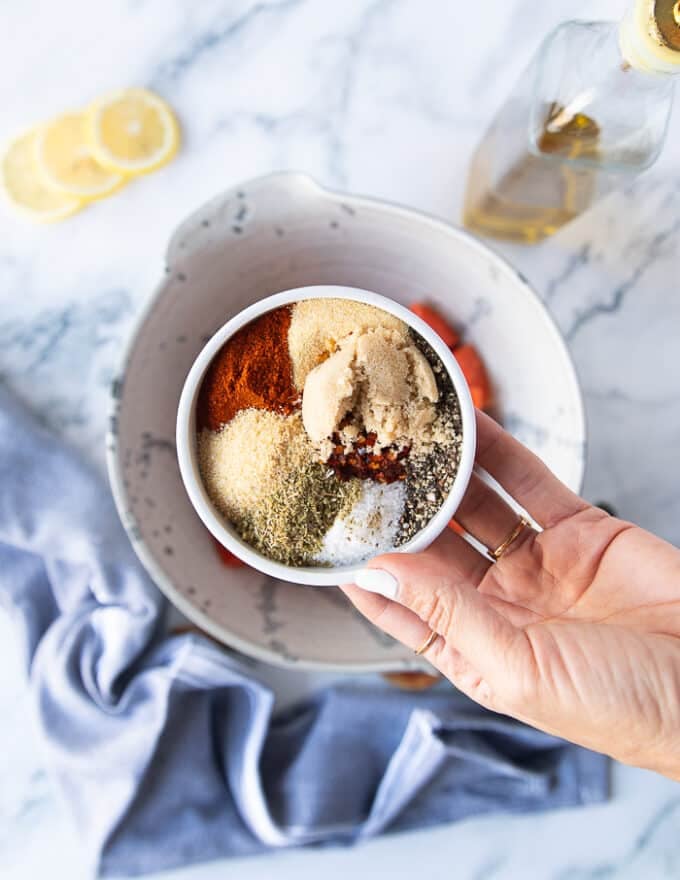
(166, 748)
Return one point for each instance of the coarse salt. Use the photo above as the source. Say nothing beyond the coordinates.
(368, 529)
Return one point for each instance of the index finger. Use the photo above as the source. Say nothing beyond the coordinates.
(523, 475)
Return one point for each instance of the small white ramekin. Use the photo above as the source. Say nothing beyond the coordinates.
(187, 452)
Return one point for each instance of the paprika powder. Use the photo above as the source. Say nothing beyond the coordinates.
(252, 370)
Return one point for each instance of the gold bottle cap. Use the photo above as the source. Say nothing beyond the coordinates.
(667, 22)
(650, 36)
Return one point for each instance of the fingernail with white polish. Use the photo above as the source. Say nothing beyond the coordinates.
(377, 580)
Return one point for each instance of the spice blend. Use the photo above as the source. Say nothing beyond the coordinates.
(252, 370)
(328, 431)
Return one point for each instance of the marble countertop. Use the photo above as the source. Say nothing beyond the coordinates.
(382, 97)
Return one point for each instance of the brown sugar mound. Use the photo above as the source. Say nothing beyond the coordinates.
(318, 324)
(251, 371)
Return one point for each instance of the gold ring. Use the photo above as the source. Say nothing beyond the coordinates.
(496, 554)
(429, 641)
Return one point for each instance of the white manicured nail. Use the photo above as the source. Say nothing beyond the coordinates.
(376, 580)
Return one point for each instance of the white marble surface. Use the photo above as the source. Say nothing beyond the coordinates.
(385, 97)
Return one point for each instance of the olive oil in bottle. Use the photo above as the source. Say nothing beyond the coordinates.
(590, 112)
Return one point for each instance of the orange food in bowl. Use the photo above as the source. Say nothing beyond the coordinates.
(455, 527)
(475, 373)
(434, 320)
(469, 361)
(467, 355)
(227, 556)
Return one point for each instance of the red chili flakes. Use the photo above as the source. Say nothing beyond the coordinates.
(364, 463)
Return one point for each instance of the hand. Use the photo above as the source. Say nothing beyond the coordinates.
(575, 630)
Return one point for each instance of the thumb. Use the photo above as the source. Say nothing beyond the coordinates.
(450, 605)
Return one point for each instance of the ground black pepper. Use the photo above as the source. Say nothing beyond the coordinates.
(429, 476)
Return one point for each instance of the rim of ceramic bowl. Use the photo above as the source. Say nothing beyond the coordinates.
(114, 463)
(187, 455)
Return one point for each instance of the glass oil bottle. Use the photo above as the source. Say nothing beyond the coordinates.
(590, 113)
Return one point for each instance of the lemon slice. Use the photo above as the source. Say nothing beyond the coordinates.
(132, 131)
(24, 186)
(66, 162)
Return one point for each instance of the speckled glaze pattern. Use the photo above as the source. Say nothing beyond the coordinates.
(281, 232)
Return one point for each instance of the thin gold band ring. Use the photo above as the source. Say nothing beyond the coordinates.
(429, 641)
(502, 548)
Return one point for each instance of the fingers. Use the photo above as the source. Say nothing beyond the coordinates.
(453, 553)
(405, 626)
(523, 475)
(390, 617)
(448, 604)
(481, 631)
(487, 517)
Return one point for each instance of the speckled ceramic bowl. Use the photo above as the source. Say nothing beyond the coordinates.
(187, 452)
(278, 233)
